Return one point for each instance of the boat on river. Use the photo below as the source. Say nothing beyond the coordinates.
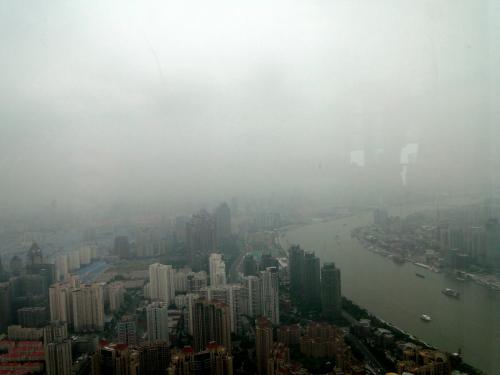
(425, 317)
(451, 293)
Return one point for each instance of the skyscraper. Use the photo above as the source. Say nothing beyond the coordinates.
(88, 308)
(200, 239)
(263, 343)
(253, 295)
(331, 298)
(217, 269)
(295, 264)
(58, 357)
(211, 322)
(60, 302)
(190, 303)
(157, 320)
(162, 283)
(311, 280)
(269, 282)
(237, 305)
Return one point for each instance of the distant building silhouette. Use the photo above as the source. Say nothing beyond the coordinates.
(16, 265)
(222, 222)
(200, 239)
(122, 247)
(34, 255)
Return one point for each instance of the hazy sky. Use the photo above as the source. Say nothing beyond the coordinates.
(106, 100)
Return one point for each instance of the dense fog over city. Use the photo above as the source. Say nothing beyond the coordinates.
(257, 187)
(163, 103)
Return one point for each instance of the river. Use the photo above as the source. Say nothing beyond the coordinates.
(394, 293)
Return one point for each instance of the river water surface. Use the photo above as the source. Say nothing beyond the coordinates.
(394, 293)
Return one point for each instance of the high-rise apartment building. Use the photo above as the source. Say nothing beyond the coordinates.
(88, 308)
(211, 323)
(269, 287)
(234, 296)
(331, 297)
(62, 270)
(162, 283)
(236, 300)
(73, 261)
(157, 321)
(60, 303)
(252, 285)
(180, 281)
(127, 330)
(217, 269)
(263, 344)
(116, 295)
(196, 281)
(58, 358)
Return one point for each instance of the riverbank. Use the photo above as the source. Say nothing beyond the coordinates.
(369, 239)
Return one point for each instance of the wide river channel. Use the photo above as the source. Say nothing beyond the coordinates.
(395, 294)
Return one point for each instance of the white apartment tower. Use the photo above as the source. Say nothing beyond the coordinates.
(270, 294)
(217, 269)
(162, 282)
(88, 308)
